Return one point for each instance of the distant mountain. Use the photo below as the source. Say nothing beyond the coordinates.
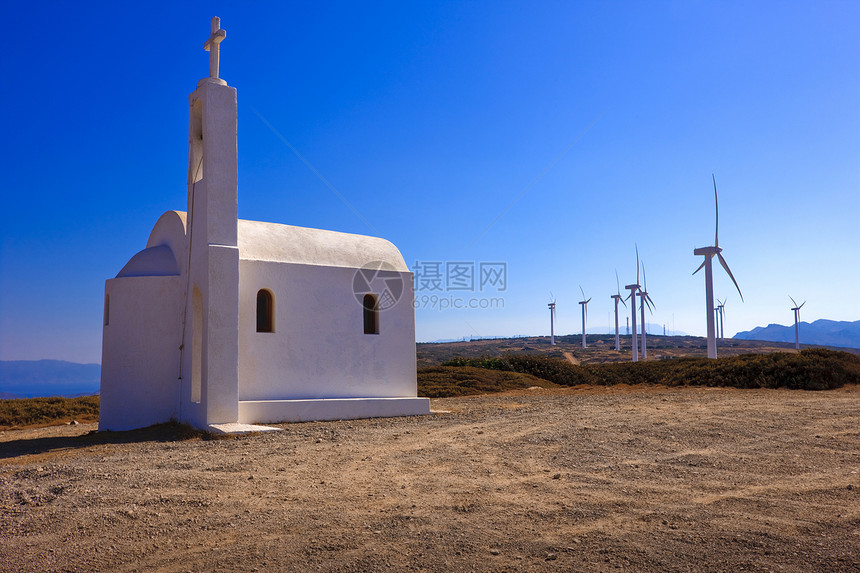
(33, 378)
(821, 332)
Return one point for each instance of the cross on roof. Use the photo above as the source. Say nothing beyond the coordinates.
(211, 46)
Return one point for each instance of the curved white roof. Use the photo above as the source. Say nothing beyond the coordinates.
(288, 244)
(151, 262)
(273, 242)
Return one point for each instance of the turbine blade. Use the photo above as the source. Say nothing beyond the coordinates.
(637, 263)
(582, 291)
(624, 303)
(794, 302)
(648, 297)
(801, 306)
(726, 266)
(717, 210)
(700, 266)
(644, 278)
(588, 301)
(617, 282)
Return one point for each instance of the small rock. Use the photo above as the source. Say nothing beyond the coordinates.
(494, 551)
(73, 423)
(551, 556)
(850, 487)
(556, 476)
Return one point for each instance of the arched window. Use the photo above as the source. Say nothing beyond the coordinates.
(371, 315)
(265, 311)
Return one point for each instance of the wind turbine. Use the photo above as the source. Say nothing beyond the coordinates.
(709, 253)
(552, 320)
(796, 310)
(721, 309)
(717, 321)
(618, 298)
(644, 300)
(584, 304)
(633, 288)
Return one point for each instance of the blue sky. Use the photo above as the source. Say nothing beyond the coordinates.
(550, 136)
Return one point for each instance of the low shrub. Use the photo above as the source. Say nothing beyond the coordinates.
(34, 411)
(810, 369)
(448, 381)
(556, 370)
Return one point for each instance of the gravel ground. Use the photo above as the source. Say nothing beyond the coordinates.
(582, 479)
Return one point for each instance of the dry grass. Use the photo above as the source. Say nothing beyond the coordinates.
(27, 412)
(447, 381)
(810, 369)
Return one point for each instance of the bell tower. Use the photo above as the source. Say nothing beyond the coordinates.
(210, 362)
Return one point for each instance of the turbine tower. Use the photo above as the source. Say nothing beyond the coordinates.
(584, 304)
(717, 321)
(796, 310)
(708, 253)
(644, 300)
(552, 320)
(721, 310)
(618, 298)
(633, 288)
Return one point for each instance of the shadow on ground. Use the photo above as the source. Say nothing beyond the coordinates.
(170, 432)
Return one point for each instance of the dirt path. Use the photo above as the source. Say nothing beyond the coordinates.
(571, 358)
(584, 479)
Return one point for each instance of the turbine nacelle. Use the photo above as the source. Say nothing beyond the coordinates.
(708, 251)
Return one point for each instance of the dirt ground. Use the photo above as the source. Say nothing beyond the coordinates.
(582, 479)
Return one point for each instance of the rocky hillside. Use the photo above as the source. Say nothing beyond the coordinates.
(820, 333)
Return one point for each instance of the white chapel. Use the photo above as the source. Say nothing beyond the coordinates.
(221, 322)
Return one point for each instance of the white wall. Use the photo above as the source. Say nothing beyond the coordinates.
(319, 349)
(140, 352)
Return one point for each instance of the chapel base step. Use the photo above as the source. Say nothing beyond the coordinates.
(274, 411)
